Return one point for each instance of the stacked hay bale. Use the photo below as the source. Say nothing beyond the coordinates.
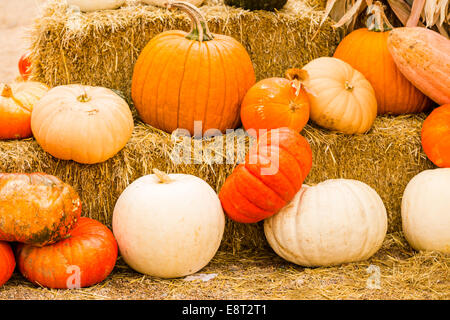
(100, 48)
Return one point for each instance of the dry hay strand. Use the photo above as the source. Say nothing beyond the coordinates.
(101, 48)
(386, 158)
(403, 274)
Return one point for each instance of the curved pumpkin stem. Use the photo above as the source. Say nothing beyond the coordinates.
(200, 31)
(297, 77)
(162, 176)
(6, 92)
(377, 20)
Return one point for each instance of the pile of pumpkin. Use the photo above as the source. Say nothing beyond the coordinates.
(171, 225)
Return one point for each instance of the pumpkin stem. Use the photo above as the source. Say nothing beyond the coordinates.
(162, 176)
(6, 92)
(377, 20)
(199, 31)
(297, 77)
(84, 97)
(348, 86)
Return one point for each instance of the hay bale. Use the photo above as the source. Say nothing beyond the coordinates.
(386, 158)
(101, 48)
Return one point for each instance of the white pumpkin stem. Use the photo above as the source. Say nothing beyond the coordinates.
(348, 86)
(84, 97)
(162, 176)
(6, 92)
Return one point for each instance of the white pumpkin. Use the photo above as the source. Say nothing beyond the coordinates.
(168, 226)
(161, 3)
(95, 5)
(341, 98)
(426, 210)
(337, 221)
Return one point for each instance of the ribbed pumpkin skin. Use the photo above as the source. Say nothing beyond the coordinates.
(91, 247)
(423, 56)
(367, 52)
(103, 125)
(251, 194)
(273, 103)
(177, 81)
(268, 5)
(426, 210)
(436, 136)
(341, 98)
(7, 262)
(337, 221)
(36, 208)
(15, 111)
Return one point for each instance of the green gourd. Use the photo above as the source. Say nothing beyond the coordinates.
(268, 5)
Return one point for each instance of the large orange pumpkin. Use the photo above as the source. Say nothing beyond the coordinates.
(16, 103)
(7, 262)
(273, 172)
(366, 50)
(85, 257)
(276, 102)
(180, 78)
(36, 208)
(436, 136)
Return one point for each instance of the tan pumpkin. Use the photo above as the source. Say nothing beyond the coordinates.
(82, 123)
(341, 98)
(95, 5)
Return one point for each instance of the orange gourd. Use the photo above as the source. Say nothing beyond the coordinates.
(366, 50)
(16, 103)
(180, 78)
(436, 136)
(7, 262)
(276, 102)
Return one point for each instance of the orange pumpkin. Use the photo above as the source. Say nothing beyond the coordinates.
(16, 104)
(276, 102)
(184, 77)
(273, 173)
(436, 136)
(84, 258)
(366, 50)
(36, 208)
(7, 262)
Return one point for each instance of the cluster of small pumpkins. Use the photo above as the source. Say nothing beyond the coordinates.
(171, 225)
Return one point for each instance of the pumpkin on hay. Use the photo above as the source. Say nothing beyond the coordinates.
(341, 98)
(425, 211)
(181, 78)
(36, 208)
(423, 56)
(366, 50)
(336, 221)
(162, 3)
(436, 136)
(273, 172)
(269, 5)
(276, 102)
(16, 104)
(84, 258)
(7, 262)
(82, 123)
(95, 5)
(168, 225)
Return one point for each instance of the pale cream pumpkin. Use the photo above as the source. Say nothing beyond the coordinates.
(168, 226)
(82, 123)
(337, 221)
(341, 98)
(95, 5)
(426, 210)
(161, 3)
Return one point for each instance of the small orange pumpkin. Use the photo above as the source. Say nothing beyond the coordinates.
(436, 136)
(7, 262)
(277, 102)
(180, 78)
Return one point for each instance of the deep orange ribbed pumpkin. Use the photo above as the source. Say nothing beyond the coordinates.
(436, 136)
(366, 50)
(7, 262)
(184, 77)
(276, 102)
(273, 173)
(84, 258)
